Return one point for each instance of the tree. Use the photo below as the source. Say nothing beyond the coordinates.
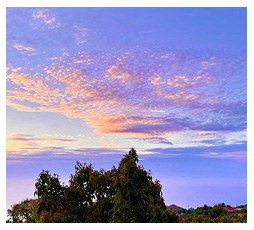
(138, 198)
(90, 194)
(124, 194)
(51, 197)
(25, 211)
(217, 211)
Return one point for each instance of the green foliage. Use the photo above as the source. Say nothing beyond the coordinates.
(51, 198)
(217, 211)
(124, 194)
(25, 211)
(168, 216)
(138, 198)
(127, 194)
(215, 214)
(90, 194)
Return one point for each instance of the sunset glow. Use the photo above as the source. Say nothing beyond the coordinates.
(88, 84)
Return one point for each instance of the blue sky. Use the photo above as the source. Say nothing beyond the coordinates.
(89, 83)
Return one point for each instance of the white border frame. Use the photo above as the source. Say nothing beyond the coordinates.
(127, 3)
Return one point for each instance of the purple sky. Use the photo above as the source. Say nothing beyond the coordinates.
(87, 84)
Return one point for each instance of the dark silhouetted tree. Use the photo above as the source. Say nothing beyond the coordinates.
(124, 194)
(138, 198)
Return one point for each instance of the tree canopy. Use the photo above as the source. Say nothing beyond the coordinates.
(126, 194)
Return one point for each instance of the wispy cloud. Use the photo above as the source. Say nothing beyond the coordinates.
(80, 34)
(46, 18)
(30, 148)
(230, 151)
(21, 47)
(234, 154)
(29, 144)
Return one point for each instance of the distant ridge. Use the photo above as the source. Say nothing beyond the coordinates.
(174, 207)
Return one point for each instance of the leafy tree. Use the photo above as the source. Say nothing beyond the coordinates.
(25, 211)
(51, 197)
(217, 215)
(127, 193)
(138, 198)
(217, 211)
(90, 194)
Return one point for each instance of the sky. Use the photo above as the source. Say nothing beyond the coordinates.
(87, 84)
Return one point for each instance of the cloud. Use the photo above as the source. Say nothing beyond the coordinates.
(143, 94)
(20, 107)
(157, 140)
(234, 154)
(229, 151)
(64, 153)
(80, 34)
(43, 16)
(108, 144)
(26, 152)
(25, 49)
(29, 144)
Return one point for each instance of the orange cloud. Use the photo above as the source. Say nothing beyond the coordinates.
(119, 93)
(28, 144)
(22, 47)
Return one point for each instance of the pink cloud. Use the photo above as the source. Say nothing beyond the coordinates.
(29, 144)
(122, 94)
